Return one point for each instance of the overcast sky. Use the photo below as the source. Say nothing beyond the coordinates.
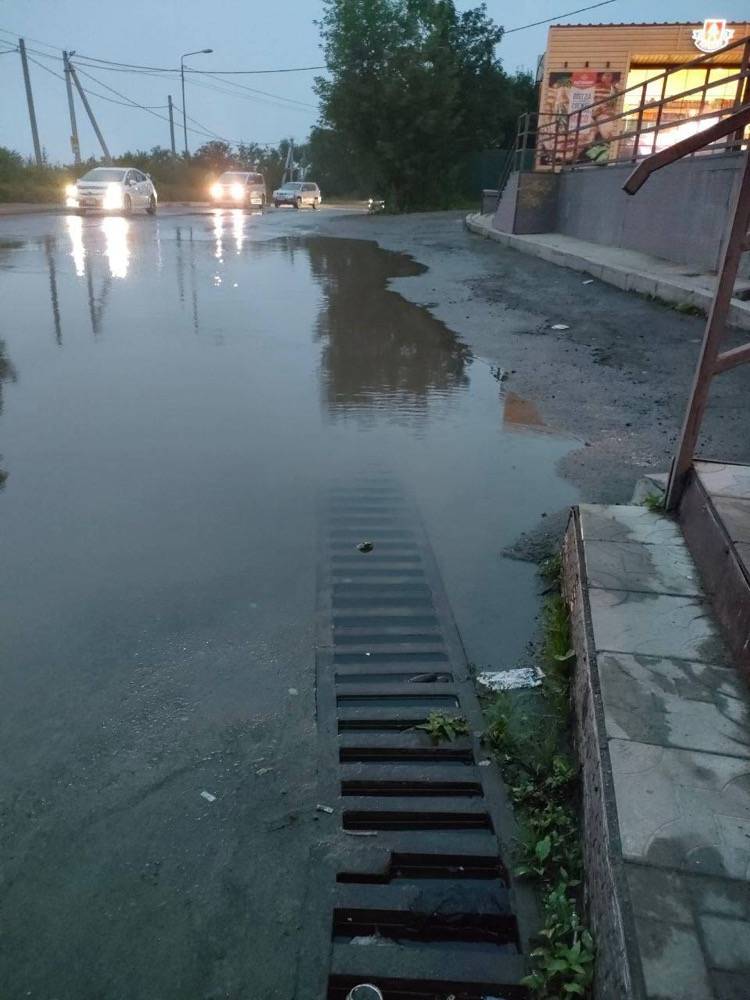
(244, 34)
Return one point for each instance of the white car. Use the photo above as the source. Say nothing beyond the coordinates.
(239, 189)
(298, 193)
(112, 189)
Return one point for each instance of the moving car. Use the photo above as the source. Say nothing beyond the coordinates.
(112, 189)
(298, 193)
(239, 189)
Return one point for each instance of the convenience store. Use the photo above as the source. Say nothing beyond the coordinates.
(610, 63)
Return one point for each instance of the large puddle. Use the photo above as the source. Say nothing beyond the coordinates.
(175, 395)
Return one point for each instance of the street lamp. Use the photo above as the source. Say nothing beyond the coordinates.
(198, 52)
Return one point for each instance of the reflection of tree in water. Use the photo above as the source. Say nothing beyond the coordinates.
(378, 349)
(7, 374)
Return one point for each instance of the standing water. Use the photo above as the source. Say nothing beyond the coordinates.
(175, 395)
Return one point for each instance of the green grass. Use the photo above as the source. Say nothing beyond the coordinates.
(529, 734)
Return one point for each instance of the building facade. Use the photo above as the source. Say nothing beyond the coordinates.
(612, 64)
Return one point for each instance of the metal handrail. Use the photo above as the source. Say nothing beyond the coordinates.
(713, 360)
(559, 137)
(698, 61)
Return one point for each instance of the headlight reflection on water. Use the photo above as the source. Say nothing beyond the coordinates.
(219, 235)
(117, 250)
(238, 228)
(78, 250)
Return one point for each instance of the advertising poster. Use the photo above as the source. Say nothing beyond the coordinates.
(568, 93)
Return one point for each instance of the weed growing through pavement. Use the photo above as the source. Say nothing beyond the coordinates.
(654, 502)
(529, 734)
(440, 726)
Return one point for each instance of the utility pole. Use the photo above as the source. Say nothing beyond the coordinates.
(184, 113)
(171, 124)
(198, 52)
(30, 102)
(289, 165)
(89, 112)
(71, 107)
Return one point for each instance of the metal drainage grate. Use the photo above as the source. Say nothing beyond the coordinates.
(421, 904)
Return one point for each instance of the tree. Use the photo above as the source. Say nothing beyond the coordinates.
(413, 87)
(215, 155)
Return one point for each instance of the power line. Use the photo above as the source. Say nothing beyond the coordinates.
(221, 72)
(91, 93)
(5, 31)
(135, 104)
(249, 93)
(169, 69)
(273, 102)
(265, 93)
(547, 20)
(127, 102)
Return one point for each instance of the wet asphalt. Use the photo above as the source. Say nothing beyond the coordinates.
(176, 394)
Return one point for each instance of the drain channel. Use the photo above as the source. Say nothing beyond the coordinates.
(423, 905)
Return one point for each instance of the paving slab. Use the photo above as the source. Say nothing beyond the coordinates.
(735, 516)
(627, 523)
(692, 932)
(660, 569)
(683, 808)
(655, 625)
(666, 772)
(673, 702)
(724, 479)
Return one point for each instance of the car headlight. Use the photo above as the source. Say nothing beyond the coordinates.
(238, 191)
(217, 191)
(71, 191)
(112, 196)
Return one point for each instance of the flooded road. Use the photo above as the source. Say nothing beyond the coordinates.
(175, 394)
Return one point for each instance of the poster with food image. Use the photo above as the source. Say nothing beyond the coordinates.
(568, 93)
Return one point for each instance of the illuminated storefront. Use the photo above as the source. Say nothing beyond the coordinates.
(596, 63)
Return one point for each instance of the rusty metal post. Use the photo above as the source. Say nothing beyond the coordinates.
(736, 243)
(578, 136)
(742, 96)
(660, 109)
(554, 144)
(639, 125)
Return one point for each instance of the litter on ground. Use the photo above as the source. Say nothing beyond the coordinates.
(510, 680)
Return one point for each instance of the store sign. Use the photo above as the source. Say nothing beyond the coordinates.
(714, 35)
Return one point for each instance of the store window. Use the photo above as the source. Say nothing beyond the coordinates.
(689, 114)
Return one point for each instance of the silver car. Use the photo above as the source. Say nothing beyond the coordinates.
(240, 189)
(112, 189)
(298, 193)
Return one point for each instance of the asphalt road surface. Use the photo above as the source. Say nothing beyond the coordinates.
(175, 393)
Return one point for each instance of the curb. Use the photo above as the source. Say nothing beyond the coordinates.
(618, 971)
(669, 290)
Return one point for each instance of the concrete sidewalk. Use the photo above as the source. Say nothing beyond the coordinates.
(627, 269)
(663, 733)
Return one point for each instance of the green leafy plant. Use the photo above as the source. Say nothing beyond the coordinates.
(528, 734)
(440, 726)
(563, 965)
(551, 568)
(654, 502)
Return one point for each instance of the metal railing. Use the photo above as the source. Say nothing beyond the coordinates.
(626, 125)
(715, 358)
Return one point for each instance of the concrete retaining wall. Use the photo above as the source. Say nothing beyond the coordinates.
(679, 214)
(528, 204)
